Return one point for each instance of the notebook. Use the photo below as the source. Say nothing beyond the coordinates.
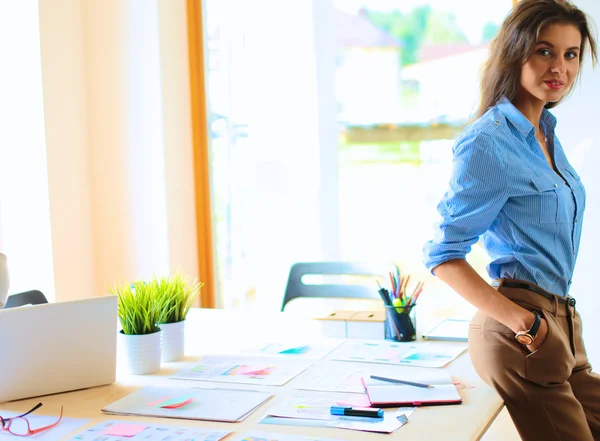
(385, 394)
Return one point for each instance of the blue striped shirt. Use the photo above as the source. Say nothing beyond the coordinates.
(503, 189)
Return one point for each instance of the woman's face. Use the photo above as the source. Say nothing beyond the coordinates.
(552, 68)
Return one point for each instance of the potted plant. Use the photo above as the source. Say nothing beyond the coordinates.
(174, 296)
(140, 336)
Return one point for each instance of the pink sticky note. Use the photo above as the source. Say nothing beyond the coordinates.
(177, 405)
(157, 402)
(261, 372)
(358, 401)
(247, 370)
(124, 429)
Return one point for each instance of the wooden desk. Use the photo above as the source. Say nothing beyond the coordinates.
(209, 330)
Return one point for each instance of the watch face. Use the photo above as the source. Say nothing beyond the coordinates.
(524, 339)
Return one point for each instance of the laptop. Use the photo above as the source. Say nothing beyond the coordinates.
(57, 347)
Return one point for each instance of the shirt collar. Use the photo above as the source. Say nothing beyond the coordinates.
(511, 113)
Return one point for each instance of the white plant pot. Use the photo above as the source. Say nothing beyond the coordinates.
(173, 340)
(141, 352)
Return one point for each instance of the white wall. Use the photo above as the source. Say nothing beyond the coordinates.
(578, 132)
(24, 215)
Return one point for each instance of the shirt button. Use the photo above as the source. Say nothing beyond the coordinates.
(497, 122)
(556, 185)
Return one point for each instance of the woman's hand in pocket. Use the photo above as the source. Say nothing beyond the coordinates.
(540, 337)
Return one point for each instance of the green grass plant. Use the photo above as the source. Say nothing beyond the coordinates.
(175, 296)
(138, 309)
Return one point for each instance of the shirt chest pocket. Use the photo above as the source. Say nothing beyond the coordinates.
(548, 196)
(578, 188)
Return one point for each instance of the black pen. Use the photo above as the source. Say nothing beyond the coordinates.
(384, 294)
(409, 383)
(357, 411)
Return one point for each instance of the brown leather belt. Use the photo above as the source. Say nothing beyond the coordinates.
(536, 289)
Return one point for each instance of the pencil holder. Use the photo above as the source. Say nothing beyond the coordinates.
(400, 323)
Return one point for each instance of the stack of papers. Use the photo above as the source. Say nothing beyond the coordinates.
(229, 369)
(315, 411)
(227, 405)
(125, 431)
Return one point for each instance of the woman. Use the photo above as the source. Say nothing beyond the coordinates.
(513, 185)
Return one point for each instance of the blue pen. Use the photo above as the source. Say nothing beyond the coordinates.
(357, 411)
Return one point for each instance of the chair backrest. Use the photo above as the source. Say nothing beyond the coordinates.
(296, 288)
(33, 297)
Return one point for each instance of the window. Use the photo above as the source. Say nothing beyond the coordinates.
(404, 83)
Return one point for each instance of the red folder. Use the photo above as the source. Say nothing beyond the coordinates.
(384, 394)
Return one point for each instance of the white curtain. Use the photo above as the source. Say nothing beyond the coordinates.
(95, 136)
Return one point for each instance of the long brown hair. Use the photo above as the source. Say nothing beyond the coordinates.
(516, 41)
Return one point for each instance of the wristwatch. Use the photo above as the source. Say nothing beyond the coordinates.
(528, 337)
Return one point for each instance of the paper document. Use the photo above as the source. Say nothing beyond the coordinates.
(229, 405)
(406, 354)
(126, 430)
(229, 369)
(450, 330)
(257, 435)
(337, 376)
(385, 393)
(316, 411)
(332, 377)
(298, 349)
(66, 426)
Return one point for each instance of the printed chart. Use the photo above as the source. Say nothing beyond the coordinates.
(268, 436)
(269, 372)
(406, 354)
(299, 349)
(121, 431)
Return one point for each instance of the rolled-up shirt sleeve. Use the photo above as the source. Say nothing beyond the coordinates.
(476, 194)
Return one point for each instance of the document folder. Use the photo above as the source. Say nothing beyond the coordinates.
(385, 394)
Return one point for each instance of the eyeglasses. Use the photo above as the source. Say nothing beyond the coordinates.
(19, 426)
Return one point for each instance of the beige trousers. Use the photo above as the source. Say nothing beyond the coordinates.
(552, 393)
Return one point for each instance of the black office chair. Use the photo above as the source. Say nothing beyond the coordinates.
(296, 288)
(33, 297)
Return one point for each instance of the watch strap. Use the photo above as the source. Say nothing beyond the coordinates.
(537, 321)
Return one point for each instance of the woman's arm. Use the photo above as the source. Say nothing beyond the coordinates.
(463, 279)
